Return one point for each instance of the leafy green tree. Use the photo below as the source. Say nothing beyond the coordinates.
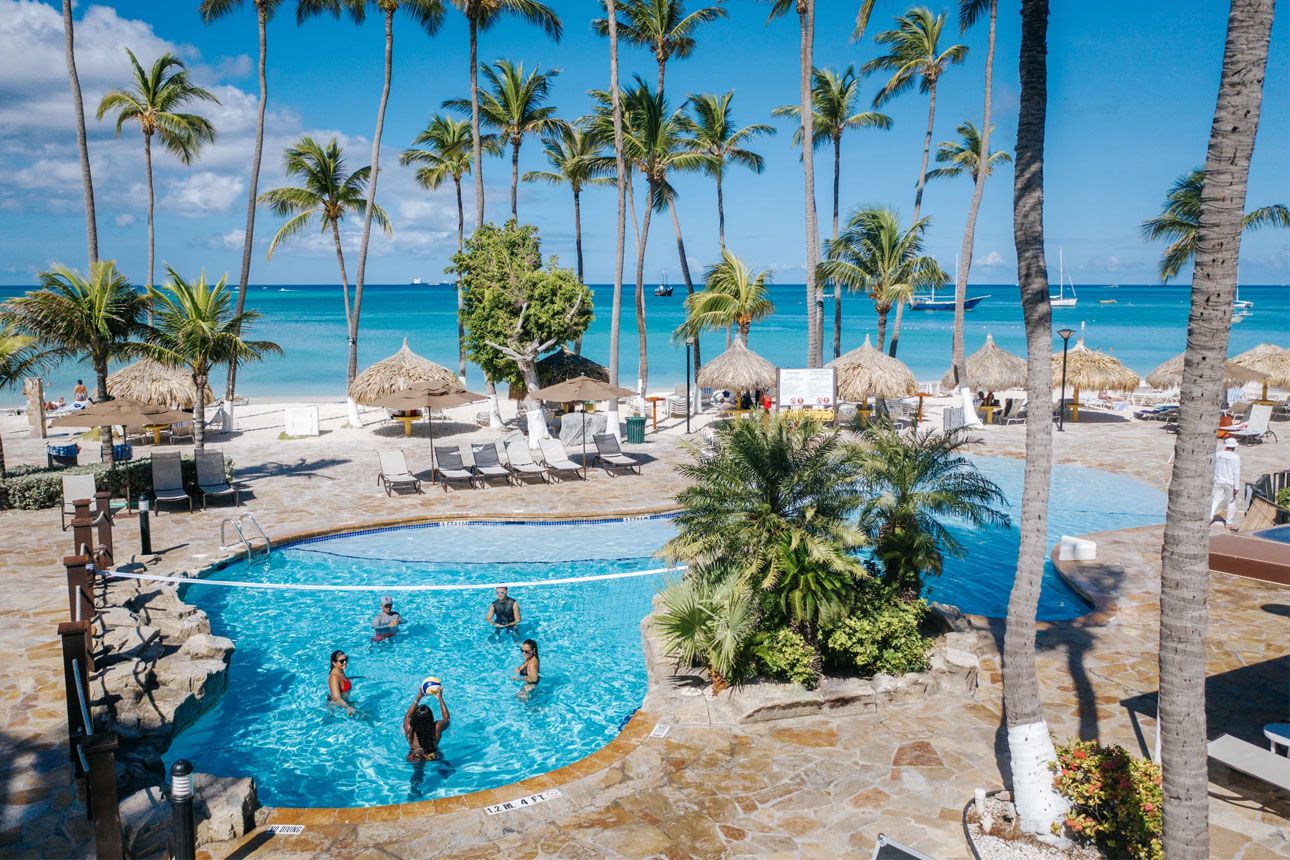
(662, 26)
(516, 308)
(912, 483)
(732, 296)
(74, 316)
(18, 355)
(198, 328)
(713, 133)
(1180, 222)
(154, 102)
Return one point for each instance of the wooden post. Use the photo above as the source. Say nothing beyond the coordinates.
(104, 806)
(76, 638)
(82, 527)
(103, 510)
(79, 588)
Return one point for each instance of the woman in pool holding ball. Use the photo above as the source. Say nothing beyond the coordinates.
(420, 727)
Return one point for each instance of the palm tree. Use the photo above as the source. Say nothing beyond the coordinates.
(445, 154)
(620, 182)
(732, 296)
(963, 157)
(577, 160)
(18, 355)
(875, 254)
(1030, 747)
(1180, 221)
(912, 484)
(327, 194)
(969, 12)
(712, 624)
(75, 316)
(1185, 568)
(833, 98)
(814, 297)
(480, 15)
(82, 143)
(264, 9)
(198, 328)
(712, 132)
(153, 102)
(661, 26)
(515, 108)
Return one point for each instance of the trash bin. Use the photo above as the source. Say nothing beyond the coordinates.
(636, 429)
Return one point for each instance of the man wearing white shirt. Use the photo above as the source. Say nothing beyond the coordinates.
(1227, 481)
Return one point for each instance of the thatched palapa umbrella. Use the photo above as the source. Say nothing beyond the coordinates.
(865, 372)
(1270, 359)
(1087, 368)
(401, 371)
(991, 369)
(561, 366)
(738, 369)
(149, 381)
(1169, 374)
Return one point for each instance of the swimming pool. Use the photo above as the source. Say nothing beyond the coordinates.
(272, 722)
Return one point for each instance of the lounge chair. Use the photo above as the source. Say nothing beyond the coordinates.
(1255, 761)
(1018, 413)
(450, 468)
(76, 487)
(212, 479)
(521, 459)
(1256, 429)
(488, 462)
(557, 459)
(168, 479)
(610, 454)
(394, 472)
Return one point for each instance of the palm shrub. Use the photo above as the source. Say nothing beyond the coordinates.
(711, 623)
(18, 355)
(911, 484)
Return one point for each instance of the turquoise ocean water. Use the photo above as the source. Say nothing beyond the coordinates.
(1145, 326)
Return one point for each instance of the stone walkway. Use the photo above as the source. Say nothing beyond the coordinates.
(808, 787)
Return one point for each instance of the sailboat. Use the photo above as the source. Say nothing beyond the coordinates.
(1240, 304)
(1061, 300)
(664, 289)
(929, 302)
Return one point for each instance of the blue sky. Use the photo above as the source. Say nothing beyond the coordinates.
(1132, 91)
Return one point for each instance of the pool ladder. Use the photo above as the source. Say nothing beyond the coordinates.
(241, 535)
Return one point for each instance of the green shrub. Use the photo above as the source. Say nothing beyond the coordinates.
(786, 654)
(31, 488)
(880, 635)
(1283, 497)
(1115, 799)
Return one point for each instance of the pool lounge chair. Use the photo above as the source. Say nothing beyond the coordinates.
(1255, 761)
(212, 478)
(610, 454)
(522, 465)
(1254, 431)
(168, 479)
(76, 487)
(394, 472)
(557, 459)
(450, 468)
(488, 462)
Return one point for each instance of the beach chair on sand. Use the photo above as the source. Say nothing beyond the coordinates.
(521, 459)
(394, 472)
(168, 479)
(609, 454)
(1256, 429)
(488, 462)
(212, 479)
(76, 487)
(557, 459)
(450, 468)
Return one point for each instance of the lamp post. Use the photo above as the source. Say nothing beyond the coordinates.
(689, 348)
(181, 800)
(1065, 334)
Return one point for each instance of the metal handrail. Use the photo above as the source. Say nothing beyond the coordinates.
(224, 544)
(268, 545)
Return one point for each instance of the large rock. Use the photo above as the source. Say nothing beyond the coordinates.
(145, 822)
(204, 646)
(176, 629)
(202, 677)
(130, 641)
(225, 807)
(157, 712)
(123, 684)
(572, 428)
(960, 675)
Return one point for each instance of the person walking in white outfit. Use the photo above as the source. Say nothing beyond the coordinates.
(1227, 481)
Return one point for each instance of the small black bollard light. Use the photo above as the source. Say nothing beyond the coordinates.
(145, 529)
(181, 801)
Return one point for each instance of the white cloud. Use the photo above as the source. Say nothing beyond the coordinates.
(994, 258)
(125, 219)
(203, 193)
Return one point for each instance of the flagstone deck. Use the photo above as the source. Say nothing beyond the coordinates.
(815, 786)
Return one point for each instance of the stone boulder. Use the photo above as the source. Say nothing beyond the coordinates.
(572, 426)
(130, 641)
(123, 684)
(163, 712)
(204, 646)
(200, 677)
(145, 823)
(223, 809)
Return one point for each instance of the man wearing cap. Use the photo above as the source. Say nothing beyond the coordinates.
(387, 621)
(1227, 481)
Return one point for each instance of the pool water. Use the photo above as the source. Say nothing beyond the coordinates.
(272, 721)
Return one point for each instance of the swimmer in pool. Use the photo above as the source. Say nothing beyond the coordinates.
(528, 670)
(504, 612)
(422, 730)
(338, 684)
(387, 621)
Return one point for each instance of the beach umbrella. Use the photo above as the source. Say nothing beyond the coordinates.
(582, 388)
(1269, 359)
(738, 369)
(866, 371)
(991, 368)
(428, 398)
(560, 366)
(401, 371)
(150, 381)
(1087, 368)
(1169, 374)
(107, 413)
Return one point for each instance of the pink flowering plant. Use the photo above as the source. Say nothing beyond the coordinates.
(1114, 799)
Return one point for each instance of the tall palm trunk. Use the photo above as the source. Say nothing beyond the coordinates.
(199, 411)
(1185, 560)
(108, 453)
(152, 239)
(918, 202)
(882, 327)
(82, 143)
(685, 267)
(515, 176)
(577, 241)
(642, 375)
(895, 326)
(958, 360)
(262, 18)
(476, 143)
(344, 276)
(814, 299)
(837, 288)
(721, 214)
(1030, 748)
(461, 303)
(620, 235)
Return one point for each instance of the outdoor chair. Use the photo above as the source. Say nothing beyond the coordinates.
(1268, 485)
(168, 479)
(521, 460)
(610, 454)
(1239, 755)
(212, 479)
(1255, 430)
(76, 487)
(557, 459)
(1018, 414)
(394, 472)
(488, 462)
(179, 430)
(450, 468)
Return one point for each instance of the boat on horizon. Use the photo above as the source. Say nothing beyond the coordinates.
(664, 289)
(930, 302)
(416, 282)
(1060, 300)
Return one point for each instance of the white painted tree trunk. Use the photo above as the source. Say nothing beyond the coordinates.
(1030, 751)
(612, 424)
(355, 419)
(536, 417)
(494, 410)
(970, 418)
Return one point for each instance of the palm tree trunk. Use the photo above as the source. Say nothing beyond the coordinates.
(4, 470)
(152, 246)
(108, 454)
(1030, 747)
(721, 214)
(895, 327)
(662, 68)
(461, 304)
(927, 149)
(577, 241)
(371, 196)
(1185, 559)
(620, 235)
(82, 143)
(882, 326)
(685, 267)
(515, 176)
(261, 14)
(642, 374)
(957, 358)
(475, 141)
(837, 288)
(199, 412)
(814, 299)
(344, 276)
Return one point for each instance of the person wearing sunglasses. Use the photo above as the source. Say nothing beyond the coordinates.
(528, 670)
(338, 683)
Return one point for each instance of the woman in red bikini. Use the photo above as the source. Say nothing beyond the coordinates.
(338, 685)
